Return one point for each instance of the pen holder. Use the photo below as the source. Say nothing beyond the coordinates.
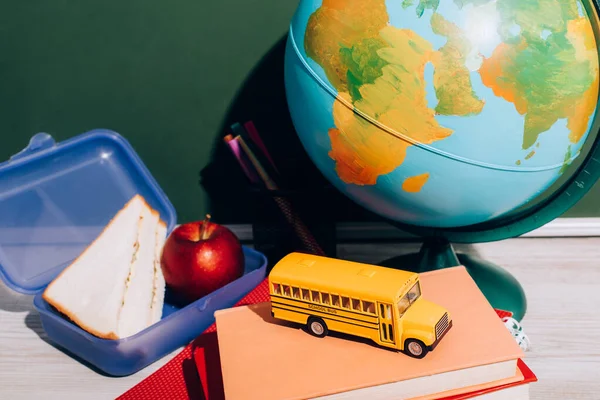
(280, 218)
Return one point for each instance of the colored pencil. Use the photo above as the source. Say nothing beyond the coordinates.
(263, 160)
(241, 158)
(254, 135)
(262, 173)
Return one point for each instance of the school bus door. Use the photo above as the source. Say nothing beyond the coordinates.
(387, 332)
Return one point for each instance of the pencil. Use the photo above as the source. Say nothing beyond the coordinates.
(239, 155)
(269, 183)
(253, 133)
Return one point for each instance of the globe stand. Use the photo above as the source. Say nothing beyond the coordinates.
(500, 288)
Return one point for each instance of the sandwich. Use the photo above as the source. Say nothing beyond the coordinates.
(116, 288)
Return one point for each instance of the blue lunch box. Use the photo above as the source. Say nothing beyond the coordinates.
(55, 199)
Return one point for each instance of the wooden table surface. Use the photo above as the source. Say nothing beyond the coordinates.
(561, 278)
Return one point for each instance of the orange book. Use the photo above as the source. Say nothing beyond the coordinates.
(263, 358)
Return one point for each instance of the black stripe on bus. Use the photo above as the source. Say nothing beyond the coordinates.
(330, 306)
(325, 312)
(325, 315)
(328, 317)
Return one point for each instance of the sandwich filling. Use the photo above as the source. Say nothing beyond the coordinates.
(134, 257)
(133, 316)
(158, 286)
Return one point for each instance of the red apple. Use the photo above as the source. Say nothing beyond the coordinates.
(201, 257)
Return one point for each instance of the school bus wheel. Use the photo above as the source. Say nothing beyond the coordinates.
(317, 327)
(415, 348)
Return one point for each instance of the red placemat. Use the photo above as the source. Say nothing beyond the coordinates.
(181, 378)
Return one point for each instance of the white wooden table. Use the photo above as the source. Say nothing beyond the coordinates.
(561, 278)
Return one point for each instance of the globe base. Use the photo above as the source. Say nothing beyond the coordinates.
(501, 289)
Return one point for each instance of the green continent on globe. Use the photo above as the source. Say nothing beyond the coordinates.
(452, 79)
(533, 17)
(549, 79)
(422, 6)
(364, 66)
(546, 65)
(336, 28)
(550, 70)
(362, 150)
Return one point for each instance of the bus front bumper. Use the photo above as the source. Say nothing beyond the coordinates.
(437, 341)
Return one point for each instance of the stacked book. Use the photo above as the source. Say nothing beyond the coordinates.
(254, 356)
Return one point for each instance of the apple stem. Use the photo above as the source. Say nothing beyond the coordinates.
(203, 230)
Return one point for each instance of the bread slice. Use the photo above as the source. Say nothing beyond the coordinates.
(116, 287)
(133, 316)
(90, 291)
(158, 290)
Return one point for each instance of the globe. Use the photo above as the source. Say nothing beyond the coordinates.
(457, 120)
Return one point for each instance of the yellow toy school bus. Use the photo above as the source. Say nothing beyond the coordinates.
(378, 303)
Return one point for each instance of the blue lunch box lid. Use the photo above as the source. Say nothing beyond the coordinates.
(55, 199)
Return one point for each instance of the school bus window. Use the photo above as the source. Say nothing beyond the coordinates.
(403, 305)
(335, 300)
(326, 298)
(345, 302)
(295, 292)
(276, 288)
(368, 307)
(305, 295)
(316, 297)
(287, 291)
(410, 297)
(414, 293)
(356, 304)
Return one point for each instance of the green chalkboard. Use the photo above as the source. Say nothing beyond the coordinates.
(163, 74)
(170, 77)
